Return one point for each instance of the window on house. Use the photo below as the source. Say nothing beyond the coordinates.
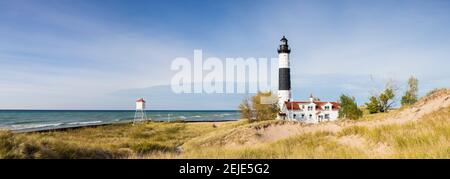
(327, 108)
(303, 116)
(327, 116)
(310, 108)
(310, 116)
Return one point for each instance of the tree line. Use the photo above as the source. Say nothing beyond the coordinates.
(381, 102)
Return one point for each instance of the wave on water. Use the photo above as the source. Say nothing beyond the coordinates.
(84, 123)
(31, 120)
(33, 126)
(49, 125)
(123, 119)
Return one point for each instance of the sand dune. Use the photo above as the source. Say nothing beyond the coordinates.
(247, 136)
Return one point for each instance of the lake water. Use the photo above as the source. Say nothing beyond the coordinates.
(47, 119)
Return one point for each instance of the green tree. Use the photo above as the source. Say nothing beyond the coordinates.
(387, 99)
(374, 105)
(258, 111)
(245, 109)
(349, 109)
(264, 111)
(410, 96)
(382, 102)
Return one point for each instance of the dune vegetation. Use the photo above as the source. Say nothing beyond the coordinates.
(418, 131)
(111, 141)
(428, 137)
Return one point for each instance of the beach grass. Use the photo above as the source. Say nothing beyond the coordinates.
(425, 138)
(110, 141)
(428, 137)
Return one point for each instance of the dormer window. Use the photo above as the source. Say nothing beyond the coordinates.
(310, 108)
(327, 108)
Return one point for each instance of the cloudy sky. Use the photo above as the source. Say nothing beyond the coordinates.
(102, 54)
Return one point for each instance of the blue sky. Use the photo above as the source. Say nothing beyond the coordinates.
(101, 54)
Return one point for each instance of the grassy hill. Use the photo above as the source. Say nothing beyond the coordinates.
(418, 131)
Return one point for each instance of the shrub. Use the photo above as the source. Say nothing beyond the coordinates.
(374, 105)
(349, 109)
(258, 111)
(410, 96)
(384, 101)
(245, 109)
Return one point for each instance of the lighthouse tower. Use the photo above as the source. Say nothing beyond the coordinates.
(284, 73)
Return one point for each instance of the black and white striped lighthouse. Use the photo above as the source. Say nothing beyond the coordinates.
(284, 73)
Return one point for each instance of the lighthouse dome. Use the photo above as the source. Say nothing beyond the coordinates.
(284, 40)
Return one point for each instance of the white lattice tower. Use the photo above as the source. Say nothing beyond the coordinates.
(140, 115)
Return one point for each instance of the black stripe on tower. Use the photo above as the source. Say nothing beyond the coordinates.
(284, 81)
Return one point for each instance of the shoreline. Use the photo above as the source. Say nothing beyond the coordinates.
(66, 128)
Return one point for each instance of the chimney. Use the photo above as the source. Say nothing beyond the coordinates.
(311, 98)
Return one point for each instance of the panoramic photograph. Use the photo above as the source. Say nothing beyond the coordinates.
(224, 79)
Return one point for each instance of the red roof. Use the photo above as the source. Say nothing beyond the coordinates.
(292, 106)
(295, 105)
(140, 100)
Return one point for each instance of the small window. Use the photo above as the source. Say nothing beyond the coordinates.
(303, 116)
(327, 116)
(310, 108)
(310, 116)
(327, 108)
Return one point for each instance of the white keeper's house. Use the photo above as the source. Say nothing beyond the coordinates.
(312, 111)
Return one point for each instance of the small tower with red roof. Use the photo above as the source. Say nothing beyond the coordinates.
(140, 115)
